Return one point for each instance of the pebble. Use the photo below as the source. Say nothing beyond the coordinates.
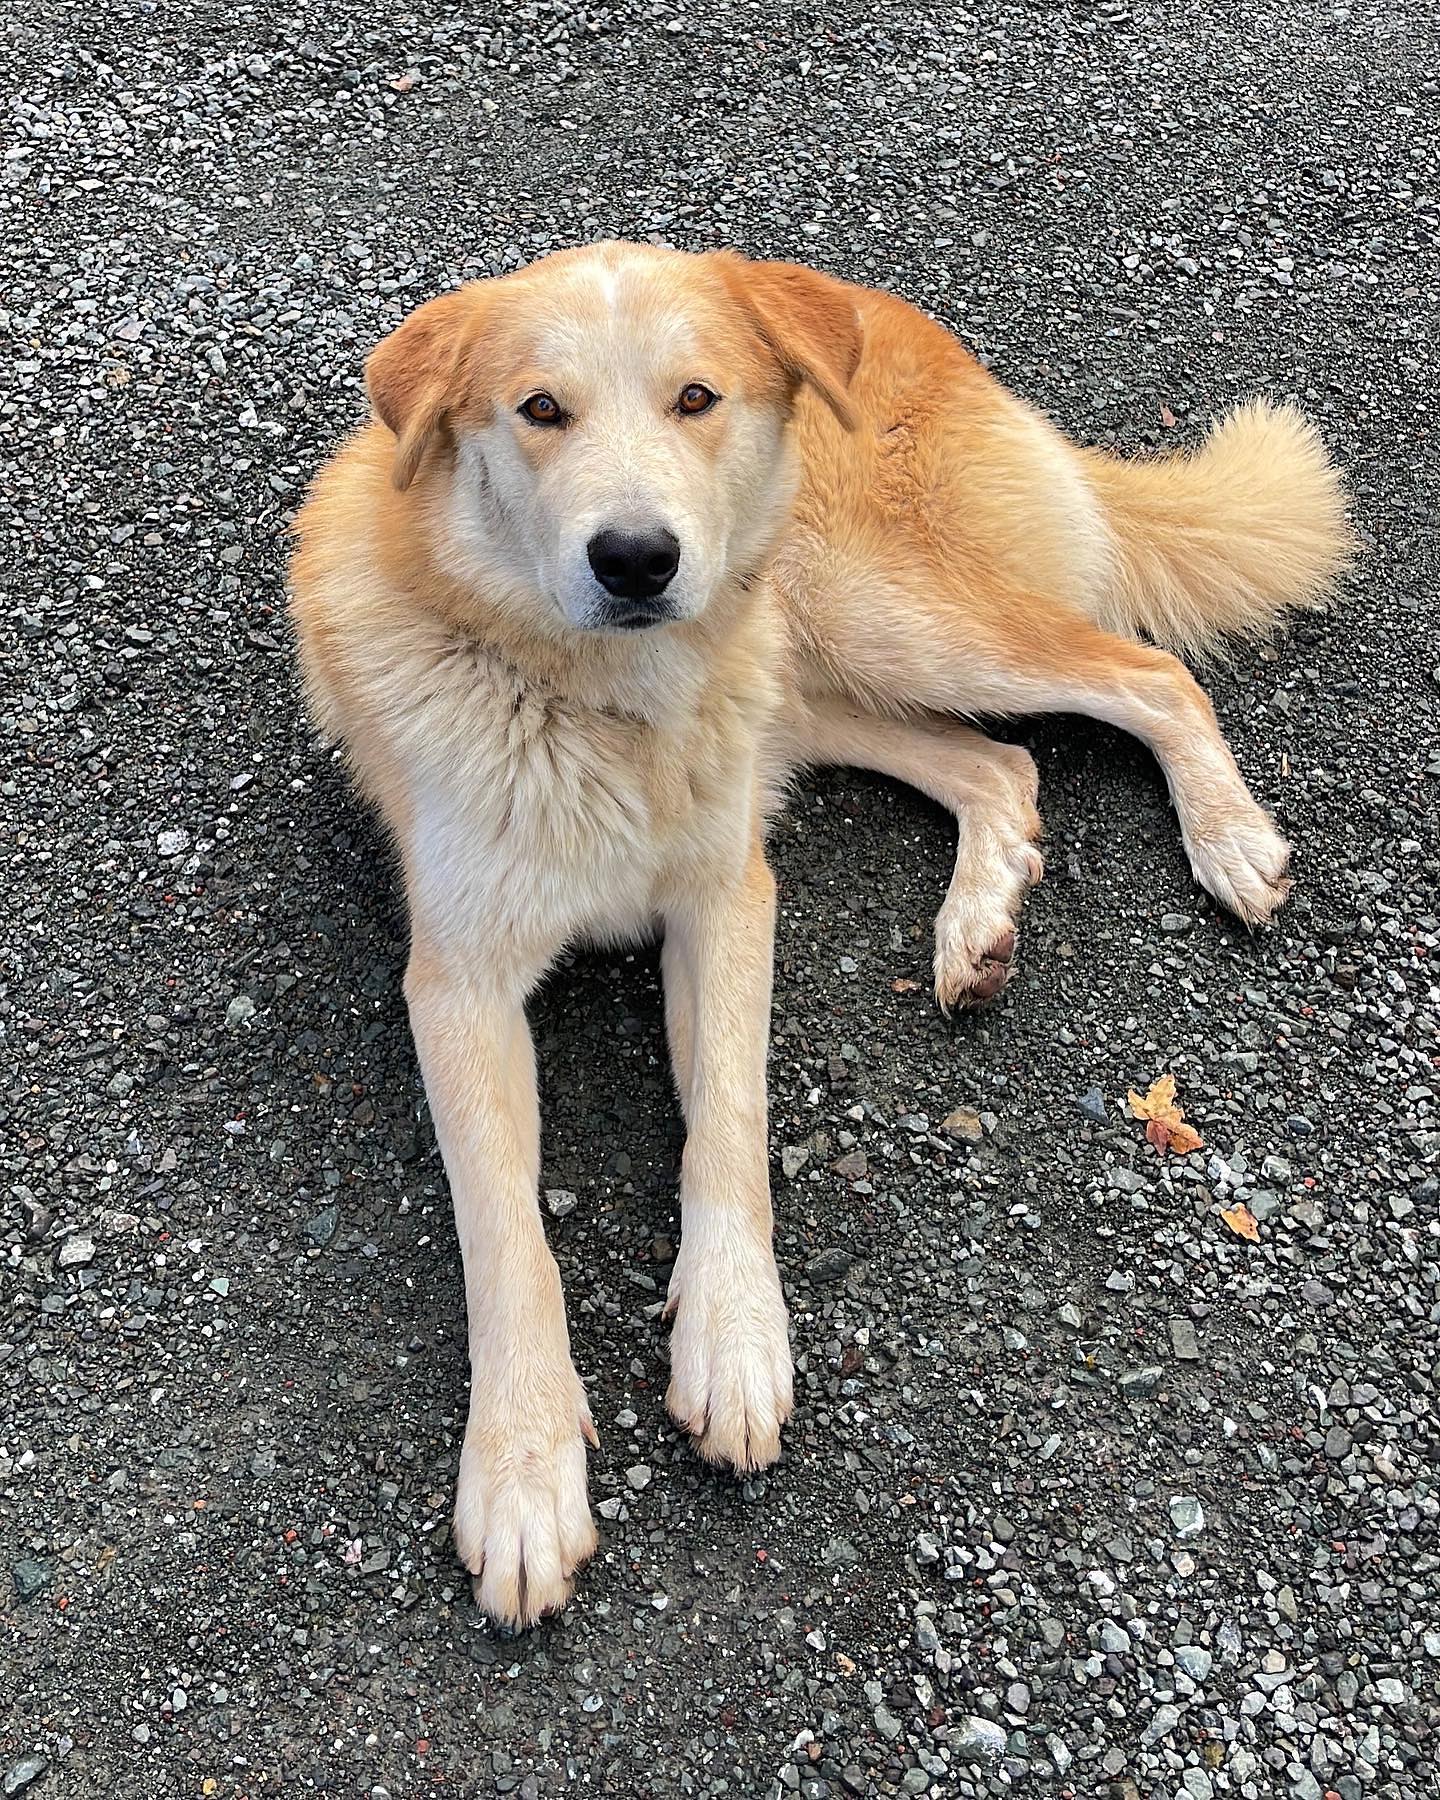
(1195, 1661)
(978, 1740)
(32, 1577)
(23, 1774)
(77, 1251)
(1092, 1104)
(963, 1125)
(320, 1227)
(1187, 1515)
(1140, 1384)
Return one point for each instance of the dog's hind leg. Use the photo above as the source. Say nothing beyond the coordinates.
(1005, 653)
(989, 787)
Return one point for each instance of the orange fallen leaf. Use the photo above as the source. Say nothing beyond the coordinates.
(1165, 1123)
(1242, 1222)
(1179, 1137)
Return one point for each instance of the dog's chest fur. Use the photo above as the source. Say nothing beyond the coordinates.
(538, 817)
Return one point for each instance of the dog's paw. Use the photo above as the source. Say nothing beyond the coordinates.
(975, 932)
(522, 1517)
(1237, 855)
(731, 1379)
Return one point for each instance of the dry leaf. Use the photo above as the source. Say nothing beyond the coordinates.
(1165, 1122)
(1242, 1222)
(904, 986)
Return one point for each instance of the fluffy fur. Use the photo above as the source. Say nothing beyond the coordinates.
(876, 540)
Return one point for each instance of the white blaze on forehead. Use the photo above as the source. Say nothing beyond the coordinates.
(615, 317)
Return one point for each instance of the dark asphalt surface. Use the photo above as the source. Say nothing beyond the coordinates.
(1084, 1494)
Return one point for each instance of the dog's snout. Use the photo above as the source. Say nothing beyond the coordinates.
(634, 565)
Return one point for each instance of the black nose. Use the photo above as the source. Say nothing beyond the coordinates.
(634, 565)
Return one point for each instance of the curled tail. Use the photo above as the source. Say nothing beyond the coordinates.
(1223, 542)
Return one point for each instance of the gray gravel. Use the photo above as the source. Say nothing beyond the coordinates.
(1085, 1495)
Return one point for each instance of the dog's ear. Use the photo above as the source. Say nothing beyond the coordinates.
(414, 375)
(806, 320)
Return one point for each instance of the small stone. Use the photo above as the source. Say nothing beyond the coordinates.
(886, 1724)
(1187, 1515)
(77, 1251)
(963, 1125)
(240, 1009)
(1114, 1639)
(174, 842)
(793, 1158)
(1389, 1691)
(561, 1202)
(927, 1550)
(978, 1740)
(321, 1226)
(1070, 1316)
(638, 1476)
(829, 1265)
(1162, 1722)
(1338, 1443)
(1092, 1104)
(32, 1577)
(20, 1775)
(1195, 1661)
(1140, 1384)
(1184, 1340)
(1173, 924)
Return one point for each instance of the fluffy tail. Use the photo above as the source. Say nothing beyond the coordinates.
(1221, 543)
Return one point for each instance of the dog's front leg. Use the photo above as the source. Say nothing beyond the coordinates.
(731, 1377)
(522, 1520)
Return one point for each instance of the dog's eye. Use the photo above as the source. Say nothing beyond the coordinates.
(696, 398)
(542, 409)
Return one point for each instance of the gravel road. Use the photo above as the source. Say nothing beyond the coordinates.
(1086, 1495)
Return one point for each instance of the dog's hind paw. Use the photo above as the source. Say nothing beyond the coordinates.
(975, 931)
(1237, 855)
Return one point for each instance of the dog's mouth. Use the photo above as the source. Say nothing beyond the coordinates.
(634, 615)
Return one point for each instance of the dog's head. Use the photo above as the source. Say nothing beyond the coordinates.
(611, 422)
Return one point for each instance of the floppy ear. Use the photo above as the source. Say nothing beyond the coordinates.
(807, 321)
(413, 375)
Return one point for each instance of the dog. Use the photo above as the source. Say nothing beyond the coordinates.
(633, 536)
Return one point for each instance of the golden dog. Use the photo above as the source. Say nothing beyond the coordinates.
(634, 535)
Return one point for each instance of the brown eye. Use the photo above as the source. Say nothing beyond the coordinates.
(542, 409)
(696, 399)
